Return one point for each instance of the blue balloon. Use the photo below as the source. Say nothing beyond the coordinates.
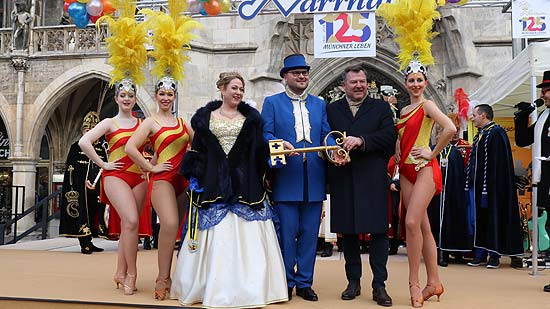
(77, 9)
(81, 21)
(203, 12)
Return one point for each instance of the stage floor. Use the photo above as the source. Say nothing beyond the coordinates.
(55, 270)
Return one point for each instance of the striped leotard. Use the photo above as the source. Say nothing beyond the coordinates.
(414, 129)
(130, 173)
(170, 144)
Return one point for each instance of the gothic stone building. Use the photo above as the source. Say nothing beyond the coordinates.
(49, 82)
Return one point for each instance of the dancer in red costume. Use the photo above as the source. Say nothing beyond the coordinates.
(132, 175)
(124, 184)
(169, 136)
(420, 173)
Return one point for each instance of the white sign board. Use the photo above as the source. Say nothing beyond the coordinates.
(530, 18)
(339, 35)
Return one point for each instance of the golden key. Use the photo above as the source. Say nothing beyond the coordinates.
(278, 154)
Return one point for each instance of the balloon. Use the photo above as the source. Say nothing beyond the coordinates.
(66, 7)
(69, 1)
(94, 8)
(81, 21)
(83, 1)
(204, 0)
(93, 19)
(212, 7)
(108, 8)
(77, 9)
(194, 6)
(203, 12)
(225, 6)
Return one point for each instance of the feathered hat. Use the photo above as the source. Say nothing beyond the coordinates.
(171, 38)
(412, 21)
(126, 46)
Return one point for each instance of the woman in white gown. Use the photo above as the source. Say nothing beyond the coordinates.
(230, 256)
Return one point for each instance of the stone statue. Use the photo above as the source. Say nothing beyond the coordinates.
(21, 20)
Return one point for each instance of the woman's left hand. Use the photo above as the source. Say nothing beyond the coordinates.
(422, 153)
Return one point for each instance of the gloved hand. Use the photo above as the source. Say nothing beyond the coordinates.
(524, 109)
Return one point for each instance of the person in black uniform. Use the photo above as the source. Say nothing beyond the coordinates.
(81, 213)
(538, 131)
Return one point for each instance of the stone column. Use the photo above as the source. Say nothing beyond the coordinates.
(24, 174)
(20, 64)
(24, 169)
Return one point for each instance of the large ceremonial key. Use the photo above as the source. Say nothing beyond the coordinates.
(278, 154)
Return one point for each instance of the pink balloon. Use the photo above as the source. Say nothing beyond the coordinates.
(94, 7)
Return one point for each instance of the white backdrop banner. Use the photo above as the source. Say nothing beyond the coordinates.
(339, 35)
(530, 18)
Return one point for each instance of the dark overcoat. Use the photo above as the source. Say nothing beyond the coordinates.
(359, 189)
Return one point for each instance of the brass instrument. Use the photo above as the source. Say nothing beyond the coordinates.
(278, 154)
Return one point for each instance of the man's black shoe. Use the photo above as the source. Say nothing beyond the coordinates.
(86, 249)
(307, 294)
(381, 297)
(147, 243)
(393, 249)
(327, 251)
(96, 249)
(547, 288)
(352, 290)
(290, 293)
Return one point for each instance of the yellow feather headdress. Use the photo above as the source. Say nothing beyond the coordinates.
(126, 46)
(171, 38)
(412, 21)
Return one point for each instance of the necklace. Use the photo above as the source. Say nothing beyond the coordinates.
(226, 115)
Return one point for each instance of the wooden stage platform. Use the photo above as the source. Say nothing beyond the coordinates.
(46, 278)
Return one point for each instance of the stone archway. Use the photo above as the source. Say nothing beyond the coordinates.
(51, 97)
(325, 72)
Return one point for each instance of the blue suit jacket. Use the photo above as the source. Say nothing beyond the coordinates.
(288, 181)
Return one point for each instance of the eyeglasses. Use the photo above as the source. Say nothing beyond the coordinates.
(298, 73)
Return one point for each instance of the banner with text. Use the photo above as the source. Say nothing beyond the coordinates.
(530, 19)
(249, 9)
(339, 35)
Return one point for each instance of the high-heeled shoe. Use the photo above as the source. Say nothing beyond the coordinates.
(416, 302)
(129, 287)
(162, 288)
(431, 290)
(119, 280)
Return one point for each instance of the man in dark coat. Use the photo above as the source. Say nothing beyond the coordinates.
(359, 192)
(448, 212)
(81, 213)
(491, 187)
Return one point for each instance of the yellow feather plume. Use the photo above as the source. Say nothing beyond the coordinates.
(126, 45)
(412, 21)
(171, 38)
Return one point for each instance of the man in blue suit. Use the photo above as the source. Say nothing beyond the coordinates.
(300, 120)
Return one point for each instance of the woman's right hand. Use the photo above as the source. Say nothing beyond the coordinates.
(397, 156)
(161, 167)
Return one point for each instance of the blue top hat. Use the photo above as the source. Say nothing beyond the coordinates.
(296, 61)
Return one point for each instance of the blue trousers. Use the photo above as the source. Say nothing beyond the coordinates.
(299, 227)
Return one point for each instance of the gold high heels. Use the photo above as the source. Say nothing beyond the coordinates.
(162, 288)
(431, 290)
(119, 280)
(129, 287)
(416, 302)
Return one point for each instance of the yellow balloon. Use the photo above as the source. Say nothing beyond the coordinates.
(83, 1)
(225, 6)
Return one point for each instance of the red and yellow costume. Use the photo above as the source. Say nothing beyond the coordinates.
(414, 130)
(170, 144)
(130, 173)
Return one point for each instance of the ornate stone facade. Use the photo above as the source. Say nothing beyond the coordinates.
(65, 71)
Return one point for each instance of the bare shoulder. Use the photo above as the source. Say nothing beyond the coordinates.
(431, 108)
